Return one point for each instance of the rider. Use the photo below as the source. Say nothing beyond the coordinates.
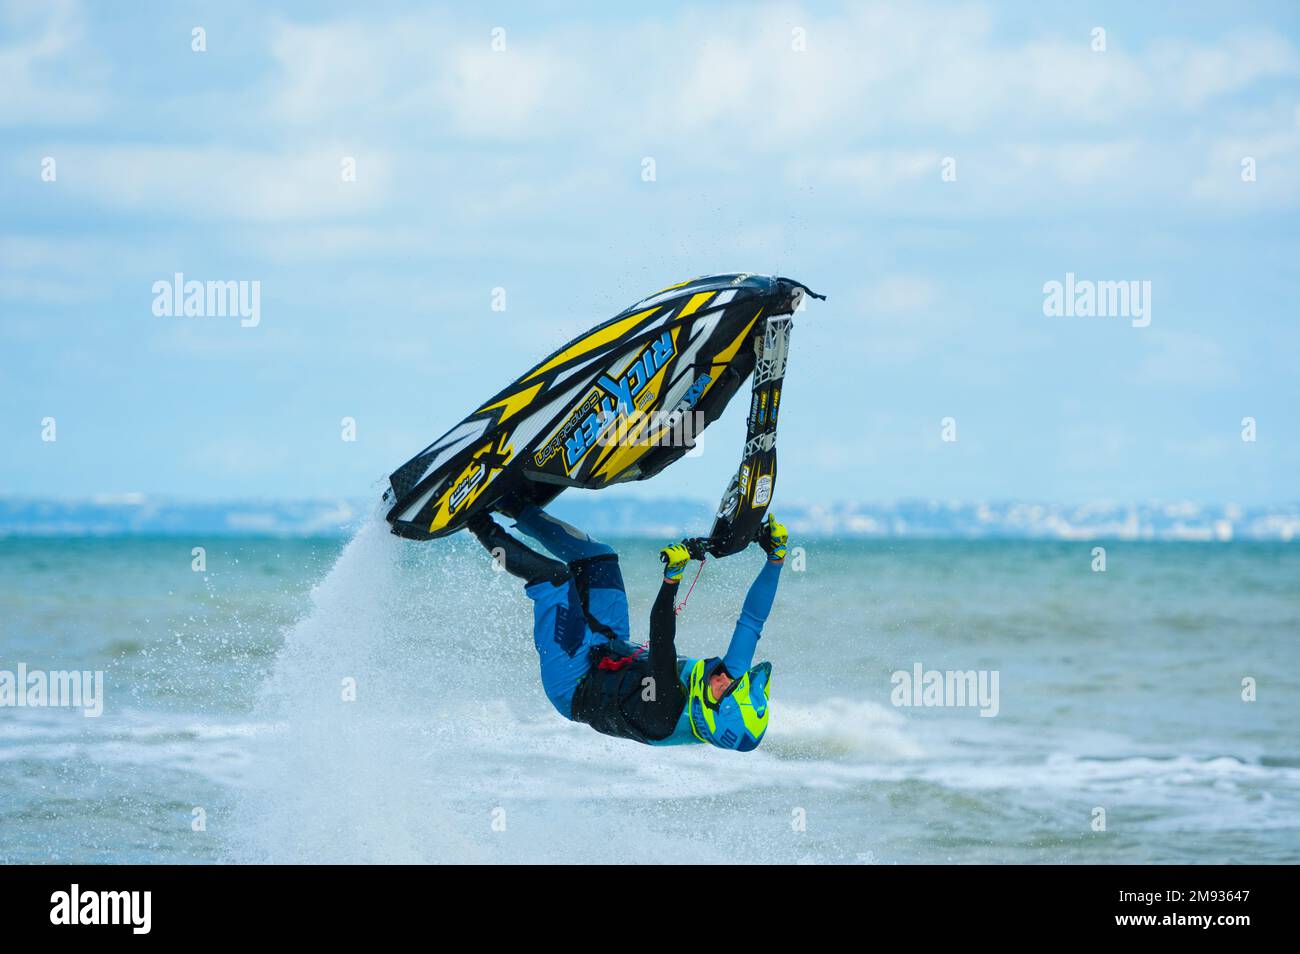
(591, 670)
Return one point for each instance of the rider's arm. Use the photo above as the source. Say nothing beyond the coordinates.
(663, 615)
(753, 614)
(663, 626)
(663, 658)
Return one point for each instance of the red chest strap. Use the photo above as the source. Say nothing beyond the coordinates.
(616, 663)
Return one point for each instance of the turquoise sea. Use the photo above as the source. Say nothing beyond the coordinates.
(378, 701)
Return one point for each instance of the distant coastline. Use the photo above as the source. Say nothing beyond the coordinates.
(144, 515)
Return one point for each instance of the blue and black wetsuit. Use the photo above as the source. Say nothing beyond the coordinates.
(591, 671)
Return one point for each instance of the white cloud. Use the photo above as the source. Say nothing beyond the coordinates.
(508, 95)
(328, 70)
(1276, 153)
(48, 74)
(882, 93)
(425, 75)
(714, 80)
(1191, 74)
(221, 182)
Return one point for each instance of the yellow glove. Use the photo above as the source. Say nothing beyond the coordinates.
(772, 537)
(675, 556)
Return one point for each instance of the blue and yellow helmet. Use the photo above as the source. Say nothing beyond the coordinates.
(739, 719)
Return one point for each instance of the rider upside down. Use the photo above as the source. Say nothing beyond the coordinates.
(592, 671)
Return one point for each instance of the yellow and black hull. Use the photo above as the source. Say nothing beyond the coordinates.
(619, 403)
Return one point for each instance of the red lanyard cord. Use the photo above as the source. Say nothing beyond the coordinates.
(682, 605)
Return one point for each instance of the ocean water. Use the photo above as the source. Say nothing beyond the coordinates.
(227, 734)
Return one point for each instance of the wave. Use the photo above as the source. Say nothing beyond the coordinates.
(409, 726)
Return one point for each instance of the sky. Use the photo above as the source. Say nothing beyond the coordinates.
(930, 167)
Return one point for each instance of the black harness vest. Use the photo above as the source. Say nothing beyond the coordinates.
(611, 697)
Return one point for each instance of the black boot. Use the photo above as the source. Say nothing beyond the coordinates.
(511, 504)
(518, 560)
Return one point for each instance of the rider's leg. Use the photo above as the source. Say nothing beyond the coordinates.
(560, 631)
(594, 566)
(563, 640)
(516, 558)
(600, 584)
(564, 540)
